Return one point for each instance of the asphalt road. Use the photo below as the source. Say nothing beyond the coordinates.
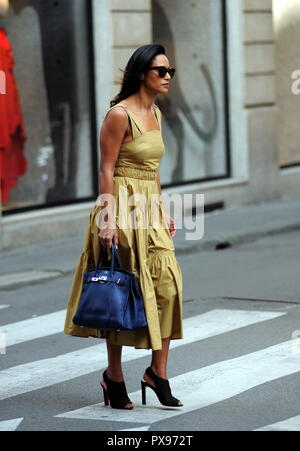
(237, 368)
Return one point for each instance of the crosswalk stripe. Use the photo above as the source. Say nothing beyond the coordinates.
(10, 425)
(142, 428)
(289, 425)
(34, 328)
(44, 373)
(50, 324)
(205, 386)
(2, 307)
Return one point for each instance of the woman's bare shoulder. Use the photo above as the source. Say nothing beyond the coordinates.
(116, 113)
(117, 109)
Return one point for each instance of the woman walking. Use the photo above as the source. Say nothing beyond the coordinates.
(131, 148)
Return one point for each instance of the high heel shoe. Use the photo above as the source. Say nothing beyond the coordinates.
(115, 393)
(162, 390)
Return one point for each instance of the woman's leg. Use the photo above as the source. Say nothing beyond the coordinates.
(159, 362)
(114, 370)
(159, 368)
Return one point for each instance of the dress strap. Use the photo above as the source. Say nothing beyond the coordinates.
(157, 114)
(134, 119)
(136, 127)
(139, 124)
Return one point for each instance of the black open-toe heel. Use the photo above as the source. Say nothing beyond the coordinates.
(115, 393)
(162, 390)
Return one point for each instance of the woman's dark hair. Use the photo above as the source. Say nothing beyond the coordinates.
(138, 64)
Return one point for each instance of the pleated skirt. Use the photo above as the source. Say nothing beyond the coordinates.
(147, 251)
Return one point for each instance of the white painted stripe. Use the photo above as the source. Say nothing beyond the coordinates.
(289, 425)
(17, 279)
(143, 428)
(2, 307)
(34, 328)
(10, 425)
(44, 373)
(204, 387)
(46, 325)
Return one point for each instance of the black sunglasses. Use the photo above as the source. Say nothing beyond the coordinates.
(162, 70)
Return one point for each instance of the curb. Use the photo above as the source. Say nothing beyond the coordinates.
(20, 279)
(182, 247)
(226, 240)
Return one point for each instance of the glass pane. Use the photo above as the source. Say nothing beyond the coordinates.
(194, 109)
(50, 56)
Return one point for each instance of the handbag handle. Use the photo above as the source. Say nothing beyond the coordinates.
(114, 253)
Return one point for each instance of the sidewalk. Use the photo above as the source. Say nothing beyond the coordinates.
(225, 228)
(57, 258)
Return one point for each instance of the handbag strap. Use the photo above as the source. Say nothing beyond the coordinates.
(103, 252)
(114, 253)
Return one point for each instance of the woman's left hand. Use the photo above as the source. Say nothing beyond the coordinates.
(171, 225)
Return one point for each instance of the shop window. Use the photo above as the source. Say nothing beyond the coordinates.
(47, 143)
(196, 111)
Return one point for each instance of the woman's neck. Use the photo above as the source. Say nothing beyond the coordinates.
(143, 102)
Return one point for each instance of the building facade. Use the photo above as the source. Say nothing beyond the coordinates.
(224, 121)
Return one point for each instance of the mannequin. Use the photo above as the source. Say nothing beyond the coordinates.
(13, 163)
(64, 113)
(63, 108)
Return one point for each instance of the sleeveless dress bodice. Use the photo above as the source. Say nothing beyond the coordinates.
(146, 148)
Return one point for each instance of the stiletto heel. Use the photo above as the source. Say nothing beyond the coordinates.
(162, 390)
(105, 394)
(115, 393)
(143, 392)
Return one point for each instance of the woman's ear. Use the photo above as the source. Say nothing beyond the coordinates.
(4, 5)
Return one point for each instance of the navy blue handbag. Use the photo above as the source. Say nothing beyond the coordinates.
(111, 298)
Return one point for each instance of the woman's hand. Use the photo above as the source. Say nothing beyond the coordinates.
(171, 225)
(112, 134)
(109, 234)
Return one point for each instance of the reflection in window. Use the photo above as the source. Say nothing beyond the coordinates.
(50, 43)
(194, 111)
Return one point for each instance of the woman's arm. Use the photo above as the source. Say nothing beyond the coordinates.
(158, 182)
(111, 136)
(170, 221)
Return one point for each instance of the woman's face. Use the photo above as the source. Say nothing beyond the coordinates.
(151, 78)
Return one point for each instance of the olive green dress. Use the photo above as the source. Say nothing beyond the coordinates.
(146, 251)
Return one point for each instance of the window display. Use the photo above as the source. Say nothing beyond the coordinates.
(13, 162)
(55, 154)
(195, 111)
(51, 45)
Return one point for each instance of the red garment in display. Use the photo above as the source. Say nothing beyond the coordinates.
(13, 162)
